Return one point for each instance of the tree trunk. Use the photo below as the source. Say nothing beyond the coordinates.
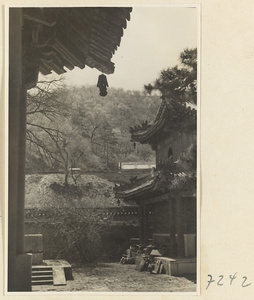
(66, 173)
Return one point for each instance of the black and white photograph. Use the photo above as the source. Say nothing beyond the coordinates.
(126, 133)
(103, 149)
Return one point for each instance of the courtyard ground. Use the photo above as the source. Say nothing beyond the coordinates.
(115, 277)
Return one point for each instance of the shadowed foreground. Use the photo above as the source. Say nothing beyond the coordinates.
(115, 277)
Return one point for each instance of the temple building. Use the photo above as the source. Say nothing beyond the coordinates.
(46, 39)
(167, 197)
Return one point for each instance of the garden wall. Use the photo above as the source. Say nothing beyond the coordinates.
(85, 235)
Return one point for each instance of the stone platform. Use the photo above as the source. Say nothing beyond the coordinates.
(178, 266)
(51, 272)
(60, 263)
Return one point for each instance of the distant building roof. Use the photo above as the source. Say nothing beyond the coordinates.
(137, 165)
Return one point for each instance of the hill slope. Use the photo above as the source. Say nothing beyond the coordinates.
(47, 190)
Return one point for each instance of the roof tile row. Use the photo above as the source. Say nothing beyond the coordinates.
(71, 37)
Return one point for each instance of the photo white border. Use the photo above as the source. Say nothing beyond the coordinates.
(198, 200)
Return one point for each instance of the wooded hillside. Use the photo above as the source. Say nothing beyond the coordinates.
(70, 127)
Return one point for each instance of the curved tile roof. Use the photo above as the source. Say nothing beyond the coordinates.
(165, 121)
(160, 184)
(58, 38)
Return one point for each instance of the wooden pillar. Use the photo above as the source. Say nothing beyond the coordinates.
(145, 220)
(179, 226)
(141, 224)
(18, 262)
(15, 84)
(173, 245)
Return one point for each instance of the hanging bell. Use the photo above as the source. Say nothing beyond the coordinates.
(102, 84)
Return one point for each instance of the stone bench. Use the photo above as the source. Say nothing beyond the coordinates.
(179, 266)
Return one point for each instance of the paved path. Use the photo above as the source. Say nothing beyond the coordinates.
(114, 277)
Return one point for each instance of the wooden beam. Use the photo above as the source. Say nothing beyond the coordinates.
(179, 226)
(44, 69)
(56, 67)
(36, 15)
(141, 223)
(145, 221)
(68, 55)
(172, 227)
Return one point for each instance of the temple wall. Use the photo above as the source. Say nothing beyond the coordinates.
(190, 214)
(160, 222)
(161, 218)
(178, 142)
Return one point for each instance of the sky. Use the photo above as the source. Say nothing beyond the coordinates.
(152, 41)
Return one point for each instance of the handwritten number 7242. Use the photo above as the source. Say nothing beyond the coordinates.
(221, 280)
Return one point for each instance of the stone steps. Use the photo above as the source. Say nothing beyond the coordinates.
(42, 275)
(38, 273)
(42, 282)
(51, 272)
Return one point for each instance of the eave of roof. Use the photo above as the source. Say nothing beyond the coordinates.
(159, 184)
(135, 192)
(59, 38)
(145, 135)
(164, 123)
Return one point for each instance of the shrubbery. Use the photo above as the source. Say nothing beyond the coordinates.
(82, 235)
